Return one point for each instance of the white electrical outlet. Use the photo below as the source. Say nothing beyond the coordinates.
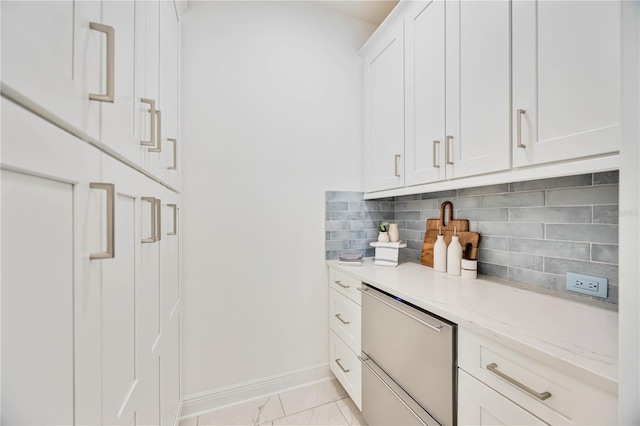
(586, 284)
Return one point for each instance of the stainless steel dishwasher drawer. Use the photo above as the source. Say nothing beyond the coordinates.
(415, 349)
(385, 403)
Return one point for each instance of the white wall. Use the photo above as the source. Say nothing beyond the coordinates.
(271, 119)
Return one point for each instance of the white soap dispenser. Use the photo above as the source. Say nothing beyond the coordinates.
(440, 253)
(454, 255)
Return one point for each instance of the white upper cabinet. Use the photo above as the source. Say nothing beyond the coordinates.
(51, 56)
(478, 87)
(425, 92)
(566, 80)
(384, 109)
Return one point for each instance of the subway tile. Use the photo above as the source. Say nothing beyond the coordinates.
(336, 225)
(562, 266)
(430, 214)
(400, 206)
(583, 196)
(607, 253)
(420, 225)
(522, 230)
(551, 214)
(359, 244)
(521, 199)
(370, 252)
(359, 206)
(371, 205)
(336, 245)
(347, 235)
(497, 271)
(606, 178)
(371, 234)
(416, 245)
(589, 233)
(402, 224)
(606, 214)
(452, 193)
(612, 294)
(336, 205)
(517, 260)
(406, 235)
(355, 225)
(387, 206)
(348, 215)
(408, 215)
(412, 254)
(537, 279)
(464, 203)
(493, 243)
(567, 250)
(346, 196)
(481, 190)
(408, 198)
(559, 182)
(422, 205)
(493, 215)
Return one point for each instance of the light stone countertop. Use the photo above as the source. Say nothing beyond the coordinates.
(577, 338)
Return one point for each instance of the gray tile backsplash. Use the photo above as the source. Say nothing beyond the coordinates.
(531, 232)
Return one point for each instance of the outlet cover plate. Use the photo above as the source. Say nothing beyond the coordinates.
(586, 284)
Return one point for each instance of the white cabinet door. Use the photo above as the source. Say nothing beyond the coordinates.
(52, 57)
(478, 87)
(118, 118)
(478, 404)
(384, 110)
(425, 92)
(170, 372)
(169, 90)
(566, 79)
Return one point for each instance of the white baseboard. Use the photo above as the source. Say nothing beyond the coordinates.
(200, 403)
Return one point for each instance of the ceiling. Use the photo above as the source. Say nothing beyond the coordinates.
(372, 11)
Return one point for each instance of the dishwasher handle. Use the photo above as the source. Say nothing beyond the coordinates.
(436, 328)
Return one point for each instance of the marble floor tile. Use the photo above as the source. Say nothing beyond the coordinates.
(351, 412)
(254, 412)
(328, 414)
(311, 396)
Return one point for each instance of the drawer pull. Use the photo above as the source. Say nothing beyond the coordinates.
(520, 113)
(436, 328)
(111, 36)
(341, 320)
(340, 365)
(493, 367)
(342, 285)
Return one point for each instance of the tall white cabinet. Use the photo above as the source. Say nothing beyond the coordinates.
(90, 217)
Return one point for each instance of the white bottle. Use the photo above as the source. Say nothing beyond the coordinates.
(454, 255)
(440, 253)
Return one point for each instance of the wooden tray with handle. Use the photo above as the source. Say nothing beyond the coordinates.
(468, 240)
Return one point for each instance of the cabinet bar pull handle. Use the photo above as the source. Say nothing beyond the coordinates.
(493, 367)
(341, 320)
(111, 198)
(152, 122)
(175, 154)
(111, 39)
(158, 146)
(400, 399)
(436, 144)
(436, 328)
(175, 219)
(447, 153)
(158, 206)
(341, 285)
(152, 202)
(340, 365)
(396, 173)
(521, 112)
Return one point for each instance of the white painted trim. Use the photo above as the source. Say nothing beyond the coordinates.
(204, 402)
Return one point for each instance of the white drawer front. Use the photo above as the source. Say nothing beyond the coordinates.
(345, 284)
(346, 366)
(511, 372)
(345, 319)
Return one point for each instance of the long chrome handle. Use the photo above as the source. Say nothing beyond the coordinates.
(175, 154)
(493, 367)
(436, 144)
(158, 146)
(341, 320)
(341, 285)
(111, 198)
(436, 328)
(447, 153)
(152, 202)
(520, 113)
(396, 173)
(392, 391)
(111, 40)
(175, 219)
(340, 365)
(158, 206)
(152, 122)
